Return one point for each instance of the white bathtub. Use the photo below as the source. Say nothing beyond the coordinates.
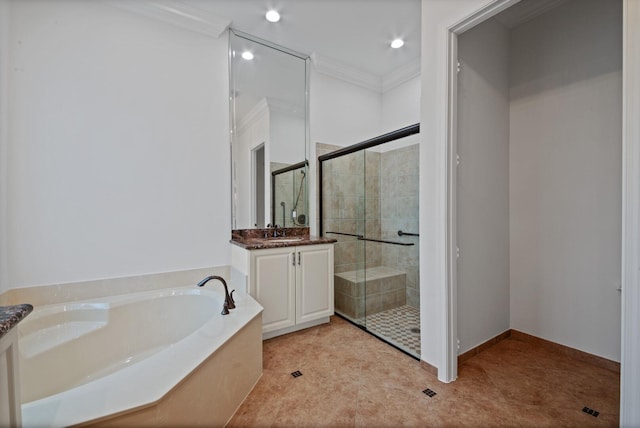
(84, 361)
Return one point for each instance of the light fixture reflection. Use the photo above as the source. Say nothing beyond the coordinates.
(247, 55)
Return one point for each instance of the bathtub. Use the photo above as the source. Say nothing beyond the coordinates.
(146, 356)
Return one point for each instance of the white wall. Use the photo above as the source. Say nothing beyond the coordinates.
(566, 169)
(483, 184)
(401, 105)
(118, 145)
(342, 113)
(401, 108)
(287, 133)
(4, 136)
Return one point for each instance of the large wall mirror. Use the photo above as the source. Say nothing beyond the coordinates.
(269, 133)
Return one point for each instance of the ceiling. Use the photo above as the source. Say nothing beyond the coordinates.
(353, 33)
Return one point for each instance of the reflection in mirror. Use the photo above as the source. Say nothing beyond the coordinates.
(269, 133)
(288, 190)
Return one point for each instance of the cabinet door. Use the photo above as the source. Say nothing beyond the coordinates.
(273, 286)
(314, 282)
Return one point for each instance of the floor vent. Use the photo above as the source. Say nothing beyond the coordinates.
(297, 373)
(591, 412)
(429, 392)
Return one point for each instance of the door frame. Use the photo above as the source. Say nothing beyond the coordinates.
(451, 292)
(254, 183)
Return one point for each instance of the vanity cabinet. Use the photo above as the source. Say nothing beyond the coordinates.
(293, 284)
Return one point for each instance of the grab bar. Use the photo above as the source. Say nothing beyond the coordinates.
(404, 244)
(362, 238)
(347, 234)
(401, 233)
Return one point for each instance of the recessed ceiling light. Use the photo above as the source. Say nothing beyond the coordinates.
(397, 43)
(272, 16)
(247, 55)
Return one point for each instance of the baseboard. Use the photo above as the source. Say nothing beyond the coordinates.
(484, 346)
(570, 352)
(428, 367)
(552, 346)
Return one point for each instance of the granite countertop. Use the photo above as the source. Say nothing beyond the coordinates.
(254, 239)
(10, 316)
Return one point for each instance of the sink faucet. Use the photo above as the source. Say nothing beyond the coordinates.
(228, 298)
(275, 232)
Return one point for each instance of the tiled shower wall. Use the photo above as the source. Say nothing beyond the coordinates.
(343, 206)
(399, 211)
(385, 202)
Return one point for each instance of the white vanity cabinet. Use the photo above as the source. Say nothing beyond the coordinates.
(293, 284)
(272, 282)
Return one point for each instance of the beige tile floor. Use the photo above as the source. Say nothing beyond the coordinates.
(351, 379)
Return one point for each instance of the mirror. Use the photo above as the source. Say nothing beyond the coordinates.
(269, 133)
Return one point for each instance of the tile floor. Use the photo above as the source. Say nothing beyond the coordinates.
(400, 326)
(351, 379)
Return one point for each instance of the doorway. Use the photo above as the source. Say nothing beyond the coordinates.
(537, 207)
(258, 186)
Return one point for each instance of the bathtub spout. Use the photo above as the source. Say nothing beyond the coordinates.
(228, 299)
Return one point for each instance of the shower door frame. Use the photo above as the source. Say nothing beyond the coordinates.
(354, 148)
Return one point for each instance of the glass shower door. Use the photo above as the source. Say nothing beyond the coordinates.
(370, 205)
(392, 271)
(343, 219)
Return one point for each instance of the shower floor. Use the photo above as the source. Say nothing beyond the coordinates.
(399, 326)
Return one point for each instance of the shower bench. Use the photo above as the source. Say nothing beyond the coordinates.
(368, 291)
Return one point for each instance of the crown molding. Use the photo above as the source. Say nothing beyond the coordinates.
(338, 70)
(526, 11)
(268, 105)
(176, 13)
(258, 110)
(281, 106)
(341, 71)
(401, 75)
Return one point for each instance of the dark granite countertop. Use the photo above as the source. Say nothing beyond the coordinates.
(10, 316)
(254, 239)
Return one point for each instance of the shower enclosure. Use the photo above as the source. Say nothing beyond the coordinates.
(368, 201)
(288, 194)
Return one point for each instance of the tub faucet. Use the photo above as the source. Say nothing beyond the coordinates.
(228, 298)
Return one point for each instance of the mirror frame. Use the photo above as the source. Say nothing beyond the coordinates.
(233, 122)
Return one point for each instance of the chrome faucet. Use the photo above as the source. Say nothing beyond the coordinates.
(228, 298)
